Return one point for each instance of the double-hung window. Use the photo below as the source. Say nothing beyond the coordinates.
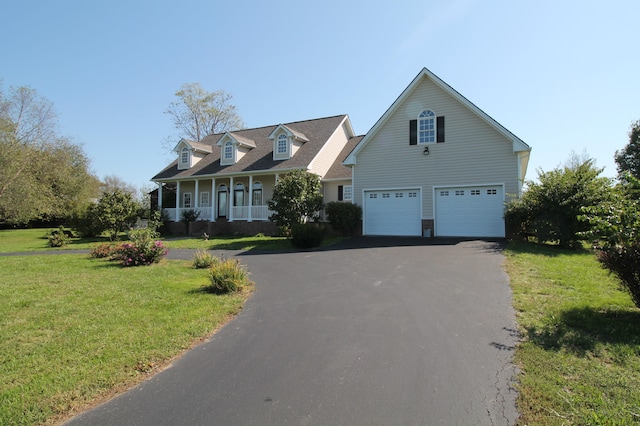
(186, 200)
(228, 151)
(282, 144)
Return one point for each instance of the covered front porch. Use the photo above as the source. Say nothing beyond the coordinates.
(227, 199)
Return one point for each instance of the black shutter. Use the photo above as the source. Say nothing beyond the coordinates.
(440, 129)
(340, 192)
(413, 132)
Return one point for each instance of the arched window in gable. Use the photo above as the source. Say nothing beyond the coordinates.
(427, 127)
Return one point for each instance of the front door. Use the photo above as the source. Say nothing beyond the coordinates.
(222, 203)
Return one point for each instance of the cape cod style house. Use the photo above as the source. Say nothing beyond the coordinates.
(434, 164)
(229, 178)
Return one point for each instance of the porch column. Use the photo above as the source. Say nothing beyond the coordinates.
(177, 218)
(250, 218)
(196, 204)
(160, 196)
(230, 200)
(214, 200)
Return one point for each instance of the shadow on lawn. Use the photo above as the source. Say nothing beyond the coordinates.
(549, 250)
(579, 330)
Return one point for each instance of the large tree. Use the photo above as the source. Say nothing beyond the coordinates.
(42, 174)
(628, 158)
(197, 113)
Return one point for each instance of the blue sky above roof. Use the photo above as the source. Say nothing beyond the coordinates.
(561, 76)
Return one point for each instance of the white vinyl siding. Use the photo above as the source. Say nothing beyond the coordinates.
(474, 152)
(329, 151)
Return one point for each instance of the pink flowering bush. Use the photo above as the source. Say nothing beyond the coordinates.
(143, 249)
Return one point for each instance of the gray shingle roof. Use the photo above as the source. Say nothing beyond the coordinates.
(259, 158)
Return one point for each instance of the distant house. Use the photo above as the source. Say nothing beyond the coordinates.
(434, 164)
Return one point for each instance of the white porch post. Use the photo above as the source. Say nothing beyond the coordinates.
(230, 201)
(196, 202)
(214, 200)
(250, 218)
(178, 202)
(160, 196)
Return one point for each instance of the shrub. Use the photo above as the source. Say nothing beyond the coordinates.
(203, 259)
(307, 235)
(615, 232)
(189, 216)
(85, 221)
(227, 276)
(59, 237)
(344, 217)
(102, 250)
(143, 249)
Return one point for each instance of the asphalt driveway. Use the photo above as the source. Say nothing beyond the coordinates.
(374, 332)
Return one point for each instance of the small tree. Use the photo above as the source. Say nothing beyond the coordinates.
(550, 209)
(296, 199)
(116, 212)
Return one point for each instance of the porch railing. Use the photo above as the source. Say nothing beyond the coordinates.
(239, 213)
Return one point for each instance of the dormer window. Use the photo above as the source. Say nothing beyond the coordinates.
(184, 156)
(228, 151)
(282, 146)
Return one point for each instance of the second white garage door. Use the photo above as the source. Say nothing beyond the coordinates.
(470, 211)
(392, 212)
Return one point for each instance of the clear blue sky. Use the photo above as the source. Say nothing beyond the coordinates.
(562, 75)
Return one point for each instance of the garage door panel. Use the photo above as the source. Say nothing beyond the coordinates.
(392, 212)
(470, 211)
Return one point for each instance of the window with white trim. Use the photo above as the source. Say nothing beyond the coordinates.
(228, 151)
(492, 192)
(204, 199)
(347, 193)
(184, 156)
(459, 192)
(186, 200)
(427, 127)
(282, 144)
(475, 192)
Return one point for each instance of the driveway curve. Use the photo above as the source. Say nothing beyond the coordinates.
(370, 332)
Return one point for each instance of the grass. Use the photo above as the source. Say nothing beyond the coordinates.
(26, 240)
(241, 243)
(76, 330)
(580, 350)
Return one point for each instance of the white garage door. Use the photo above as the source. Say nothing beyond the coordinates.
(392, 212)
(470, 211)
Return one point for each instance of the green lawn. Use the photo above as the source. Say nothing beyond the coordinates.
(25, 240)
(76, 329)
(580, 349)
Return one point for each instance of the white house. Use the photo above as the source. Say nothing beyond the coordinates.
(434, 164)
